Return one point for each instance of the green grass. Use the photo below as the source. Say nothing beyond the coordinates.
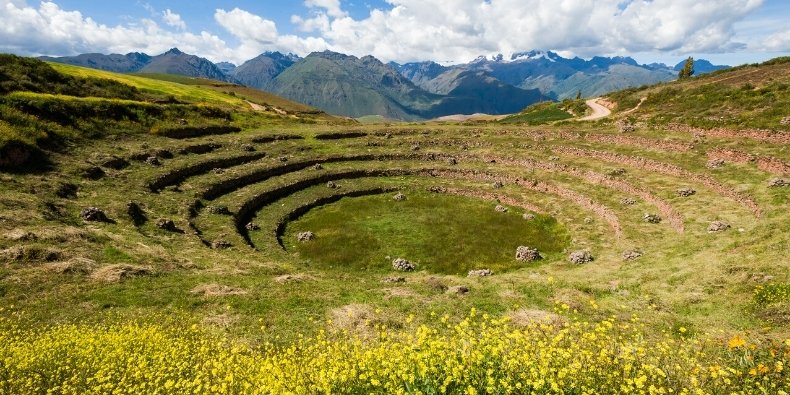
(538, 114)
(428, 229)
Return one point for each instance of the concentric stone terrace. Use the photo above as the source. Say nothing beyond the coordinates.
(251, 191)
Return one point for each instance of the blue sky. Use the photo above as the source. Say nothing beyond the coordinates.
(448, 31)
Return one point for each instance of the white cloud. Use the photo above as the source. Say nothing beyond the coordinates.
(779, 41)
(173, 19)
(409, 30)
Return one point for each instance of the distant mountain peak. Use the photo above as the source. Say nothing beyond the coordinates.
(173, 51)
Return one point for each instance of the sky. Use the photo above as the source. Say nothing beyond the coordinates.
(446, 31)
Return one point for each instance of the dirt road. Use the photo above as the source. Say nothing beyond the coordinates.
(599, 111)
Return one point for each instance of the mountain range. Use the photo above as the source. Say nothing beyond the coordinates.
(355, 87)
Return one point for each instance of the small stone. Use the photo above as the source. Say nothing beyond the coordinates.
(153, 161)
(437, 189)
(715, 163)
(458, 290)
(785, 121)
(252, 226)
(248, 147)
(403, 265)
(318, 166)
(651, 218)
(778, 182)
(718, 226)
(166, 224)
(415, 147)
(500, 208)
(588, 220)
(628, 201)
(283, 159)
(399, 197)
(616, 172)
(528, 216)
(220, 244)
(94, 214)
(452, 161)
(580, 257)
(394, 279)
(686, 192)
(498, 184)
(526, 254)
(631, 255)
(331, 184)
(305, 236)
(218, 170)
(480, 273)
(219, 210)
(554, 158)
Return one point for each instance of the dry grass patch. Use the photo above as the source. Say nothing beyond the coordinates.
(72, 266)
(120, 272)
(217, 290)
(527, 317)
(293, 278)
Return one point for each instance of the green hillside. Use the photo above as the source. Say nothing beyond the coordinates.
(751, 96)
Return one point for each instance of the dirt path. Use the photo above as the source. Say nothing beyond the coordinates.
(642, 100)
(599, 111)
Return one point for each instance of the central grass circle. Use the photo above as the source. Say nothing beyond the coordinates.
(440, 233)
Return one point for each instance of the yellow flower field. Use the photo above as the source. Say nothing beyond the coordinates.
(479, 355)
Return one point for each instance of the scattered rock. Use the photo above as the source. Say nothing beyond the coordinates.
(248, 147)
(651, 218)
(785, 121)
(399, 197)
(283, 159)
(480, 273)
(458, 290)
(630, 255)
(403, 265)
(135, 213)
(761, 277)
(252, 226)
(415, 147)
(220, 244)
(218, 170)
(153, 161)
(93, 173)
(500, 208)
(498, 184)
(217, 290)
(331, 184)
(616, 172)
(452, 161)
(437, 189)
(394, 279)
(167, 224)
(715, 163)
(292, 278)
(115, 163)
(219, 210)
(66, 190)
(778, 182)
(120, 272)
(628, 201)
(528, 216)
(554, 158)
(526, 254)
(94, 214)
(625, 126)
(305, 236)
(318, 166)
(580, 257)
(686, 192)
(718, 226)
(588, 220)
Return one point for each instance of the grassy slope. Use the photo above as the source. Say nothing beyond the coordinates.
(751, 96)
